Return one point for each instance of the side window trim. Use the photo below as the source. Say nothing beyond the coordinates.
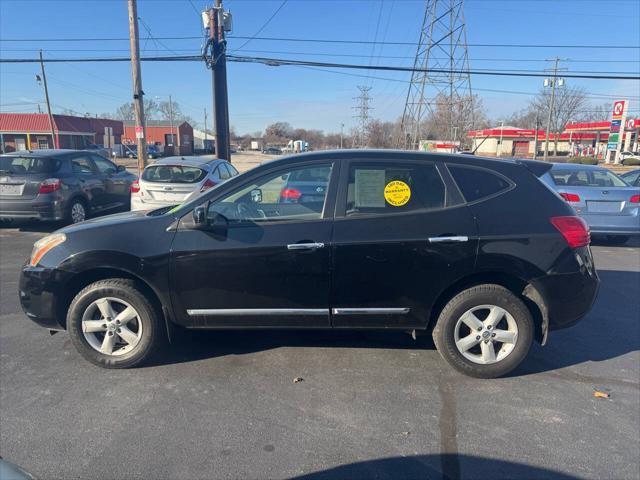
(510, 182)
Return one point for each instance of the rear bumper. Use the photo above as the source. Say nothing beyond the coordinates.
(613, 224)
(137, 204)
(39, 291)
(37, 208)
(570, 296)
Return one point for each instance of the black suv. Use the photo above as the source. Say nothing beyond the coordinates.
(477, 251)
(61, 185)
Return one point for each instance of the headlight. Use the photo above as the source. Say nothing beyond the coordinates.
(42, 246)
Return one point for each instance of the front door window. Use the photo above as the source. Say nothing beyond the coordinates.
(297, 194)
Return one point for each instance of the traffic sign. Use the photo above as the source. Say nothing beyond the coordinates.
(139, 132)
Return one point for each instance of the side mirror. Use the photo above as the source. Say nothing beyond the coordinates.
(217, 223)
(256, 195)
(121, 168)
(199, 215)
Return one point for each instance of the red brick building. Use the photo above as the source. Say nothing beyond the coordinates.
(30, 131)
(163, 134)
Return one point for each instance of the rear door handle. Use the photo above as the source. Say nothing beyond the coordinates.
(448, 239)
(305, 246)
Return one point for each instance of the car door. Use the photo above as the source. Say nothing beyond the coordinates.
(402, 235)
(89, 180)
(270, 266)
(117, 184)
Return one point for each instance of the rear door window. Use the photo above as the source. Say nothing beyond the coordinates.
(477, 183)
(29, 165)
(82, 165)
(224, 173)
(173, 174)
(384, 188)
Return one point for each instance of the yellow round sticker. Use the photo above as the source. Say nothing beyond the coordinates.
(397, 193)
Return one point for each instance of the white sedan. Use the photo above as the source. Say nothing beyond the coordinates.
(171, 180)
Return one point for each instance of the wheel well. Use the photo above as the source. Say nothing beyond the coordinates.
(510, 282)
(81, 280)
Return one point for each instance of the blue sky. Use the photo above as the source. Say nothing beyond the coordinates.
(307, 97)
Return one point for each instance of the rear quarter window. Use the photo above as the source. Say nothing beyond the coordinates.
(477, 183)
(29, 165)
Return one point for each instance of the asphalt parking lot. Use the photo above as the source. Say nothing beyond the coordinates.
(371, 405)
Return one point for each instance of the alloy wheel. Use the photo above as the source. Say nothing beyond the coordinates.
(486, 334)
(111, 326)
(78, 213)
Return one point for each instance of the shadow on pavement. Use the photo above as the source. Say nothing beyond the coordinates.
(428, 467)
(32, 226)
(565, 348)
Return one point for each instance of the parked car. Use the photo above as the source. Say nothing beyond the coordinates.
(608, 204)
(61, 185)
(272, 151)
(632, 177)
(624, 156)
(131, 151)
(171, 180)
(401, 240)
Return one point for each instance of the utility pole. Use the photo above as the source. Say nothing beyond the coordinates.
(176, 151)
(205, 128)
(54, 139)
(341, 134)
(216, 60)
(137, 85)
(535, 141)
(499, 152)
(551, 82)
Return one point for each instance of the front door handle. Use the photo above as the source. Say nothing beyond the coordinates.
(305, 246)
(448, 239)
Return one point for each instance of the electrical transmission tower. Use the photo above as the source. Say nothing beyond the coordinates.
(362, 108)
(443, 97)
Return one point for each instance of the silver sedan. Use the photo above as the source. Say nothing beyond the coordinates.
(606, 202)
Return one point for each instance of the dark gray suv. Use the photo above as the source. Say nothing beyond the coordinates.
(61, 184)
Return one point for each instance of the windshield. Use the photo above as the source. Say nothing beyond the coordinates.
(173, 174)
(29, 165)
(586, 178)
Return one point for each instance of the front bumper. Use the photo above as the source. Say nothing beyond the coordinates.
(48, 209)
(40, 295)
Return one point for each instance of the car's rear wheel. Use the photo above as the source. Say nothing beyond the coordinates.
(76, 211)
(112, 324)
(485, 331)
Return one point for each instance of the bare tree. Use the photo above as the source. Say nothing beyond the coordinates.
(452, 119)
(568, 102)
(126, 111)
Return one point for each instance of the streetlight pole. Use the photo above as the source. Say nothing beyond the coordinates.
(500, 143)
(552, 82)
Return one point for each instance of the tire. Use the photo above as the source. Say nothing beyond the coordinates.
(143, 326)
(515, 324)
(77, 211)
(617, 239)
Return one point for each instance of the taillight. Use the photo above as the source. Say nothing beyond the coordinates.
(208, 184)
(570, 197)
(635, 199)
(574, 230)
(290, 194)
(50, 185)
(135, 186)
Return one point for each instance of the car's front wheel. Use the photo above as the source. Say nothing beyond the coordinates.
(113, 324)
(485, 331)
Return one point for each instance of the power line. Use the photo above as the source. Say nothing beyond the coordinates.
(264, 25)
(276, 62)
(321, 40)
